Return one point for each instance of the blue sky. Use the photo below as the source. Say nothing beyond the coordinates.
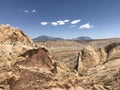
(63, 18)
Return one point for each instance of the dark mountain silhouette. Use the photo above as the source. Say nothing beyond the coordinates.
(82, 38)
(46, 38)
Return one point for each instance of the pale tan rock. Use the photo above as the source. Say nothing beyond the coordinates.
(22, 67)
(88, 58)
(11, 34)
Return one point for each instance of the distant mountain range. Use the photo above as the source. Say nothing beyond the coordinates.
(82, 38)
(46, 38)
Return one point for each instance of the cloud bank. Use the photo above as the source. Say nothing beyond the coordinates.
(56, 23)
(73, 23)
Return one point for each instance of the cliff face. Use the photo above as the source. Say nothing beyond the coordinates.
(11, 34)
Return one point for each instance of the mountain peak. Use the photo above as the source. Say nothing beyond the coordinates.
(45, 38)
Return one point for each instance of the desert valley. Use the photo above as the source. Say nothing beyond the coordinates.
(26, 64)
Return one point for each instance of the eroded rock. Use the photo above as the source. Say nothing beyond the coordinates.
(89, 57)
(11, 34)
(40, 58)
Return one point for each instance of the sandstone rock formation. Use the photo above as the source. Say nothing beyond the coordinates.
(40, 58)
(18, 54)
(13, 41)
(24, 66)
(89, 57)
(11, 34)
(113, 51)
(105, 73)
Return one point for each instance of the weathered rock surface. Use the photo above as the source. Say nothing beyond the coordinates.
(106, 72)
(24, 66)
(13, 40)
(11, 34)
(113, 51)
(89, 57)
(40, 58)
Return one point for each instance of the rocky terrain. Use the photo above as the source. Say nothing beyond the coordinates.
(25, 65)
(11, 34)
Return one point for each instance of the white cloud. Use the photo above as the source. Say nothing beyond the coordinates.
(54, 23)
(30, 11)
(26, 11)
(73, 26)
(60, 22)
(75, 21)
(86, 26)
(8, 24)
(33, 11)
(43, 23)
(66, 20)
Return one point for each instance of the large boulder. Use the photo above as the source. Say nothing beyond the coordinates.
(39, 58)
(89, 57)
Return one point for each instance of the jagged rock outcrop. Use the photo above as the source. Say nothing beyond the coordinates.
(105, 74)
(39, 58)
(89, 57)
(11, 34)
(18, 54)
(13, 41)
(113, 51)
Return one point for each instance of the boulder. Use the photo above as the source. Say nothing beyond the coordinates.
(89, 57)
(40, 58)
